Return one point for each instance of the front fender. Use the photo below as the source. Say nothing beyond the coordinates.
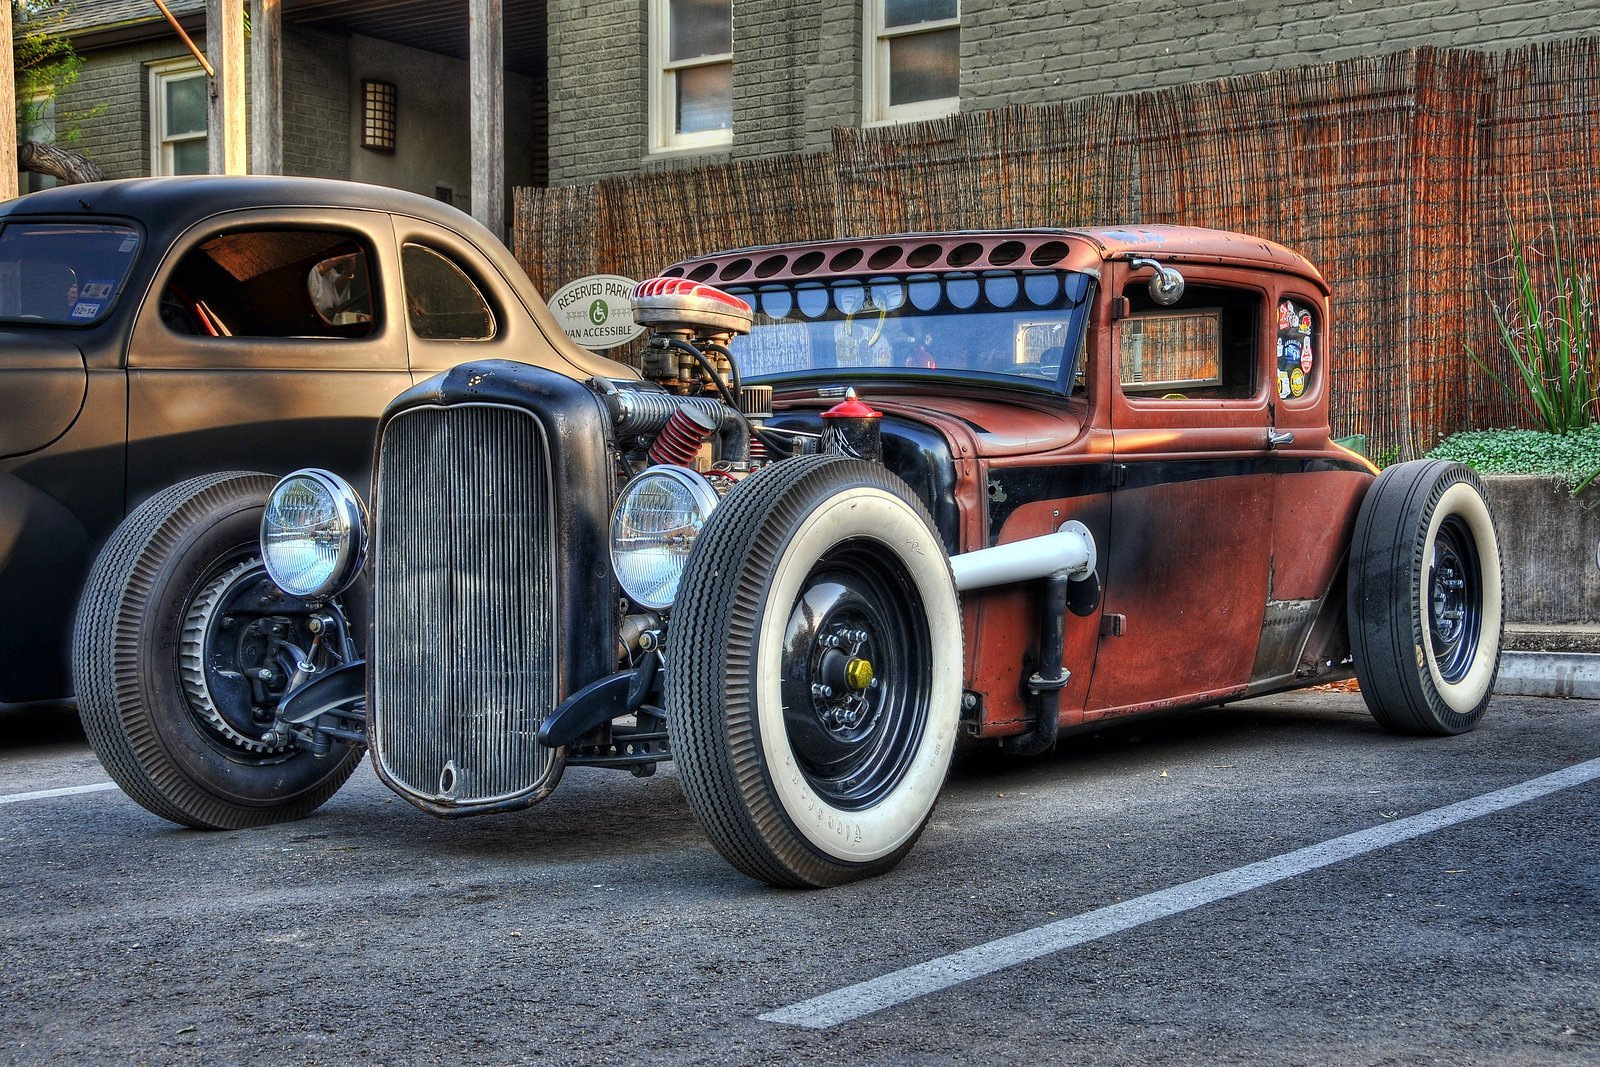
(45, 552)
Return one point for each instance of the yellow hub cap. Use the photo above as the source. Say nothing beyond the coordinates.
(858, 674)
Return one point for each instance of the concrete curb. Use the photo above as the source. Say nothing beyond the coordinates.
(1550, 674)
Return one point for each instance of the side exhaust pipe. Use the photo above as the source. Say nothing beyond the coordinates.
(1066, 559)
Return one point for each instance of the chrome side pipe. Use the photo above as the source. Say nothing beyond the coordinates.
(1066, 560)
(1069, 551)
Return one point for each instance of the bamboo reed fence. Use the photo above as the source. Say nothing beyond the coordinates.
(1401, 176)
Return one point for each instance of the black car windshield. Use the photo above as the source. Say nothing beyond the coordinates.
(1023, 327)
(63, 273)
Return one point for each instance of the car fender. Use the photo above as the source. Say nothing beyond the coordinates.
(44, 554)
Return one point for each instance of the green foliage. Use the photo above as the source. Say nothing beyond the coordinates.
(1574, 456)
(1551, 341)
(44, 61)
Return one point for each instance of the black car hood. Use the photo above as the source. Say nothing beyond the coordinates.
(42, 385)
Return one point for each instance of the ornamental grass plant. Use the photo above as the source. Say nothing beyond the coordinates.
(1550, 339)
(1551, 367)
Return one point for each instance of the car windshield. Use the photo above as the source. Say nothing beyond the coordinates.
(63, 273)
(1016, 326)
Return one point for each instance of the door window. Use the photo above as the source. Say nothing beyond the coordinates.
(442, 302)
(273, 283)
(1202, 348)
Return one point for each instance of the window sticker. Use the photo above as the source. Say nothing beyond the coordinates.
(97, 290)
(86, 309)
(1296, 360)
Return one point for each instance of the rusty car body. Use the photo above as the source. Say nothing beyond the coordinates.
(864, 500)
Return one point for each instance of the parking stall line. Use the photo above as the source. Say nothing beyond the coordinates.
(45, 794)
(864, 998)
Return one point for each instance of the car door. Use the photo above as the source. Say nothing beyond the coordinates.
(1190, 546)
(270, 340)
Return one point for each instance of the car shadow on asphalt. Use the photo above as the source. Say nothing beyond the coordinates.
(1247, 725)
(25, 726)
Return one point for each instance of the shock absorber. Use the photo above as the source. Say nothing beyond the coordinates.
(680, 440)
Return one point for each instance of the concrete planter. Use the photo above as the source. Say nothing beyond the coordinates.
(1549, 541)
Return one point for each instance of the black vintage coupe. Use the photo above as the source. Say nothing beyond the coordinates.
(156, 329)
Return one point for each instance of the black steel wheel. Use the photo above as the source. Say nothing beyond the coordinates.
(182, 649)
(1425, 599)
(813, 676)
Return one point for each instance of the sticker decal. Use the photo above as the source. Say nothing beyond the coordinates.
(97, 290)
(1285, 315)
(1283, 385)
(1305, 356)
(1297, 381)
(86, 309)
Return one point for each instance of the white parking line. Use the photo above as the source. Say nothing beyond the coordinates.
(44, 794)
(897, 987)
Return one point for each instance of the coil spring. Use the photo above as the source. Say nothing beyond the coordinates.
(680, 439)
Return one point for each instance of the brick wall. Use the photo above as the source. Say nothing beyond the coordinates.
(317, 121)
(1033, 51)
(112, 100)
(797, 63)
(597, 93)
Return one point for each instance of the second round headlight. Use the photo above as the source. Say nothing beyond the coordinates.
(313, 533)
(653, 528)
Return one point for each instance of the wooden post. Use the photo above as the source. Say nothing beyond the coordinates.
(8, 108)
(266, 86)
(225, 111)
(488, 115)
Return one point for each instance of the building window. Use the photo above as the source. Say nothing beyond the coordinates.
(379, 108)
(691, 57)
(912, 60)
(178, 119)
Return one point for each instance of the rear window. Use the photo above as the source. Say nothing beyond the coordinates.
(63, 273)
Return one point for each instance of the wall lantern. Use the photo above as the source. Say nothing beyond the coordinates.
(377, 116)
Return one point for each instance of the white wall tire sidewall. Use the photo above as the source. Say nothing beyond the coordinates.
(870, 835)
(1466, 696)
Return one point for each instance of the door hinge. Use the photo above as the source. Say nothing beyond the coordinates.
(1119, 475)
(1121, 308)
(1113, 625)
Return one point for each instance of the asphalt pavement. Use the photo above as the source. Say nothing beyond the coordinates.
(1272, 882)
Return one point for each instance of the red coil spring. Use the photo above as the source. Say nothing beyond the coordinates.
(680, 439)
(758, 451)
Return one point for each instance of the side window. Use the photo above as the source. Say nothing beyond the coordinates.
(1202, 348)
(273, 283)
(442, 303)
(1297, 358)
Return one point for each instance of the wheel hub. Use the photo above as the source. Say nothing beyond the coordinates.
(240, 653)
(851, 677)
(1454, 611)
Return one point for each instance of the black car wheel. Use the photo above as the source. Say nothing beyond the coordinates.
(183, 647)
(1425, 599)
(813, 677)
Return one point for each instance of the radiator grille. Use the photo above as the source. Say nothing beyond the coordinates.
(463, 651)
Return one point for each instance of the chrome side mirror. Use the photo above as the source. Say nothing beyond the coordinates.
(1166, 285)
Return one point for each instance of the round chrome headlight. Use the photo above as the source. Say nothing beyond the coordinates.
(653, 528)
(313, 534)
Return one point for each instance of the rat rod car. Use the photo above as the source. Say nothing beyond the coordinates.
(159, 328)
(865, 499)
